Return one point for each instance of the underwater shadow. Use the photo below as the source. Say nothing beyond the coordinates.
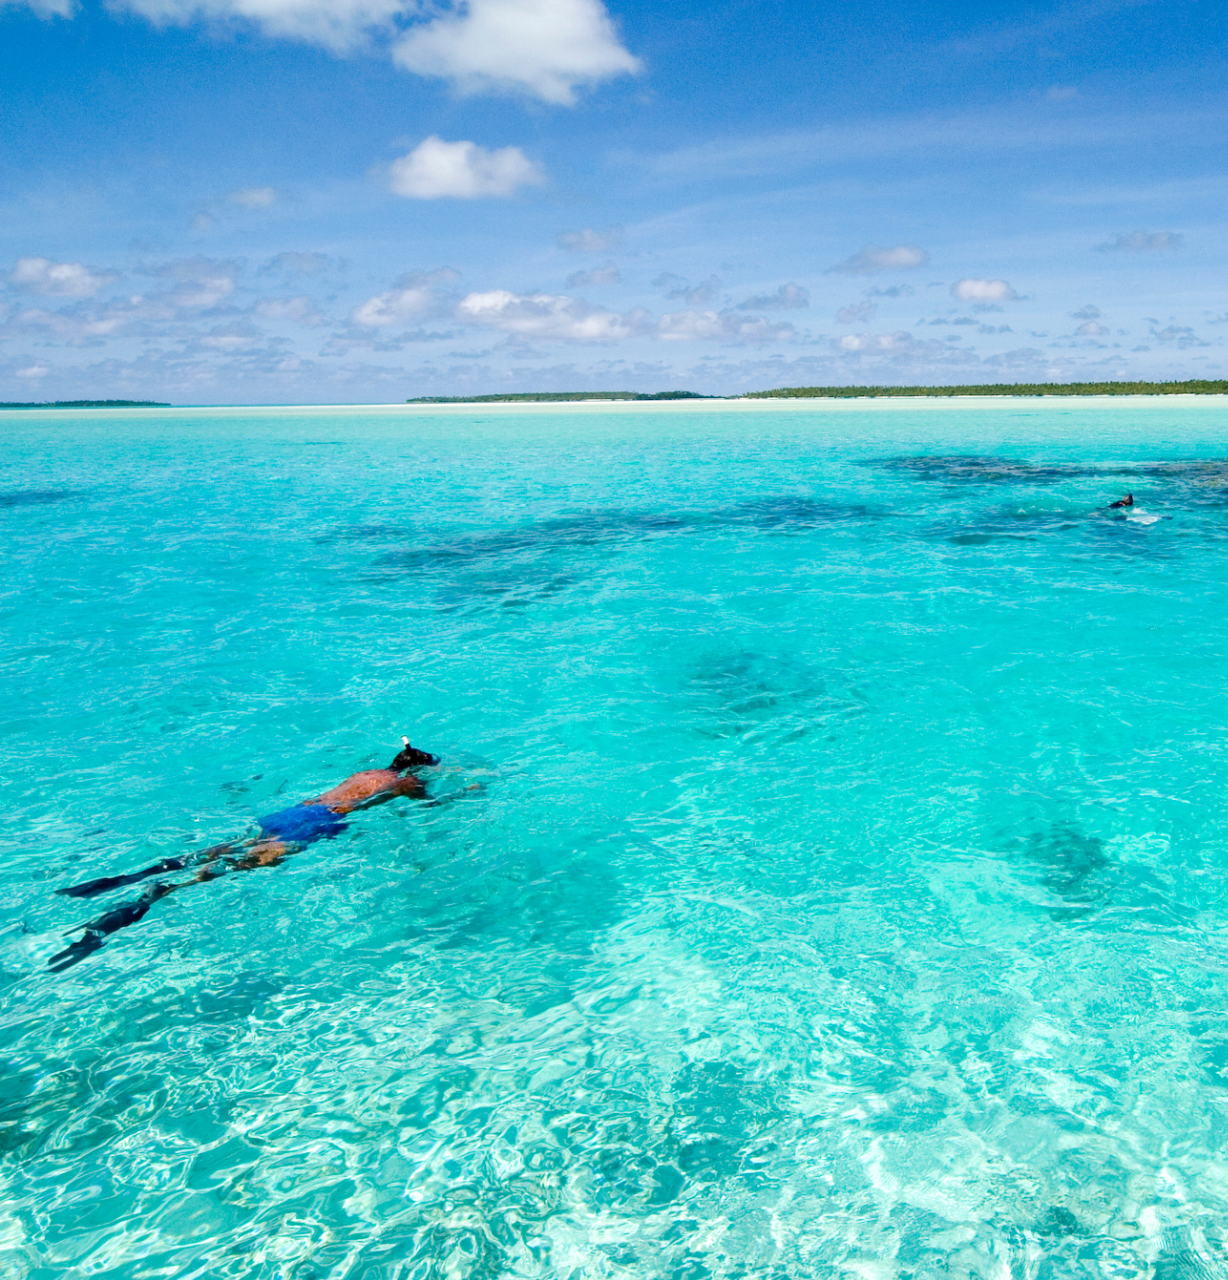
(35, 497)
(520, 562)
(961, 469)
(1078, 871)
(1186, 482)
(743, 692)
(1100, 532)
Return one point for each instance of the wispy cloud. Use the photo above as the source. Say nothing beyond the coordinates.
(199, 288)
(857, 313)
(300, 309)
(789, 297)
(694, 295)
(254, 197)
(725, 327)
(290, 263)
(871, 259)
(58, 279)
(203, 282)
(925, 136)
(1142, 242)
(609, 274)
(590, 240)
(883, 342)
(73, 327)
(548, 317)
(1180, 336)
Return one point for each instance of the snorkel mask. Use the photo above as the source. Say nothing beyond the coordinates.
(410, 757)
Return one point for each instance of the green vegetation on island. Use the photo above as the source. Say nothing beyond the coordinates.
(558, 397)
(1000, 389)
(84, 404)
(1194, 388)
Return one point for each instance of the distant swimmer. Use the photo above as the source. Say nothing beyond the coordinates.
(1127, 501)
(286, 831)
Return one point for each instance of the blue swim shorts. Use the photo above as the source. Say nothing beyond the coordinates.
(303, 824)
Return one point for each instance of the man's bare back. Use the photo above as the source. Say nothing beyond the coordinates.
(370, 784)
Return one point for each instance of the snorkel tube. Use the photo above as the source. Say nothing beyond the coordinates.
(410, 758)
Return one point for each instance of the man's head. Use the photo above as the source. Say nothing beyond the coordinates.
(410, 757)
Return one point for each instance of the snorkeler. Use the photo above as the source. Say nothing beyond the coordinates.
(1127, 501)
(281, 833)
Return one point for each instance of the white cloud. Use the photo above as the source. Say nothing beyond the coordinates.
(462, 170)
(75, 329)
(590, 241)
(548, 317)
(200, 286)
(34, 371)
(1181, 335)
(857, 313)
(227, 339)
(693, 295)
(891, 342)
(202, 292)
(254, 197)
(1089, 312)
(1091, 329)
(299, 264)
(58, 279)
(543, 48)
(789, 297)
(341, 26)
(722, 326)
(974, 290)
(609, 274)
(300, 309)
(412, 296)
(1142, 241)
(44, 9)
(871, 259)
(203, 283)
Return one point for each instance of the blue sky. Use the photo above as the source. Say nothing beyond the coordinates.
(218, 201)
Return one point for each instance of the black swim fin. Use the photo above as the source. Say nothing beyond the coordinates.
(91, 888)
(75, 954)
(107, 923)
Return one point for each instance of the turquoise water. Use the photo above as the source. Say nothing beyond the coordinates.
(841, 891)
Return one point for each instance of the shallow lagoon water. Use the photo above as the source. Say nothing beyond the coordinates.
(842, 893)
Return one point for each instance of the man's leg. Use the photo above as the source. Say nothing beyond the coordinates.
(111, 921)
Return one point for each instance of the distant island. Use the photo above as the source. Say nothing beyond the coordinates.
(558, 397)
(1000, 389)
(1197, 388)
(83, 404)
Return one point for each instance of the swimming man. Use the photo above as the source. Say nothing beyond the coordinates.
(281, 833)
(1127, 501)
